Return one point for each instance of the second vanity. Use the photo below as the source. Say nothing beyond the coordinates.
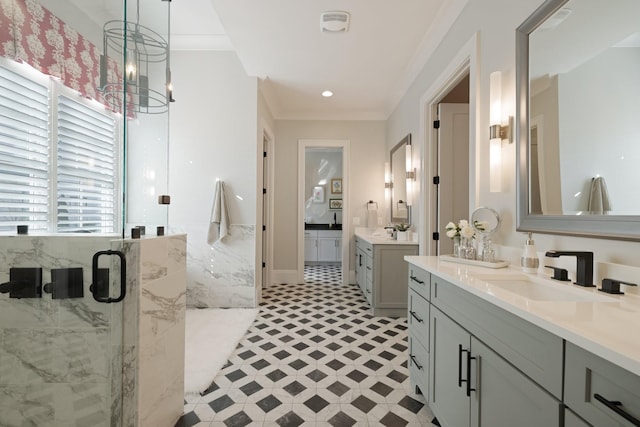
(517, 349)
(381, 272)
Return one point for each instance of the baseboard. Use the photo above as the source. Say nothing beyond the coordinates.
(284, 276)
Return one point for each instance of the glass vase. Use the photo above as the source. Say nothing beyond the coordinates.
(456, 246)
(467, 248)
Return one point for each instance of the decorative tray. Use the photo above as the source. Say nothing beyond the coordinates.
(488, 264)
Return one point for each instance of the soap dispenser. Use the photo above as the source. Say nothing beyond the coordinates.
(529, 260)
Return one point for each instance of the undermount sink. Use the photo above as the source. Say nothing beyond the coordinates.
(537, 289)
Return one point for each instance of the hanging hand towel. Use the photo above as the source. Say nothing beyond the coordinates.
(219, 224)
(599, 202)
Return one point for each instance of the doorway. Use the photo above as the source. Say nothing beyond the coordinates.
(322, 205)
(453, 172)
(450, 180)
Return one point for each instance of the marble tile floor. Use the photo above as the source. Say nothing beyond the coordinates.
(314, 357)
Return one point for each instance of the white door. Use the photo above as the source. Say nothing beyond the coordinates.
(453, 170)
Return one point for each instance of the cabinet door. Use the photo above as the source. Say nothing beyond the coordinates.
(449, 344)
(572, 420)
(310, 249)
(506, 397)
(326, 249)
(391, 275)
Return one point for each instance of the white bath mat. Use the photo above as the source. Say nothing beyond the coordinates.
(211, 335)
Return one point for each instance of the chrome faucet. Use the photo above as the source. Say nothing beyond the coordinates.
(584, 267)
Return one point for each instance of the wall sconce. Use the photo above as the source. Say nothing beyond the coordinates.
(497, 132)
(387, 184)
(411, 173)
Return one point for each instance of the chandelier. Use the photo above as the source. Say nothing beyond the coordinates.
(135, 66)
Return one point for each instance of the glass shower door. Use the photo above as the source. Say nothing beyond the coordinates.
(63, 196)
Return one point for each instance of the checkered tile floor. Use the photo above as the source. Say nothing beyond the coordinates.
(314, 357)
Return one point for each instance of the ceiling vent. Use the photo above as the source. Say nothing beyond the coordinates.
(334, 22)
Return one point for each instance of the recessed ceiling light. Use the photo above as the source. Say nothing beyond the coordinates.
(327, 93)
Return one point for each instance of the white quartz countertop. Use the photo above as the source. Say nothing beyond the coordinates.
(380, 237)
(608, 327)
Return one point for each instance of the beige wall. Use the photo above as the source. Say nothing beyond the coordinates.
(366, 176)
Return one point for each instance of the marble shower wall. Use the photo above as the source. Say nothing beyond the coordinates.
(154, 334)
(77, 362)
(221, 275)
(56, 357)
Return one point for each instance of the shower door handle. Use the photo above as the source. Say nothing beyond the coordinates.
(95, 277)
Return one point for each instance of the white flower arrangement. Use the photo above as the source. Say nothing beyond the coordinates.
(461, 229)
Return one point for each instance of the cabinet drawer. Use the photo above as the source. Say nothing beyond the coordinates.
(419, 281)
(365, 246)
(369, 268)
(588, 376)
(418, 318)
(310, 234)
(419, 365)
(531, 349)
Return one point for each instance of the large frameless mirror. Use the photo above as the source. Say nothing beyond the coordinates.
(577, 68)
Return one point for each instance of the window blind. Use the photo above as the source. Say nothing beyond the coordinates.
(24, 152)
(85, 168)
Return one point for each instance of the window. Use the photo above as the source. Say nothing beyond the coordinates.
(58, 158)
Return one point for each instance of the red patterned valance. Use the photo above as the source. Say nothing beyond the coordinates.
(30, 33)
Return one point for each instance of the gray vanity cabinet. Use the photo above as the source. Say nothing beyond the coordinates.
(473, 386)
(596, 388)
(486, 367)
(381, 274)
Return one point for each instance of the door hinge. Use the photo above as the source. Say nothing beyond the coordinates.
(264, 154)
(264, 228)
(436, 180)
(436, 236)
(436, 124)
(264, 191)
(264, 264)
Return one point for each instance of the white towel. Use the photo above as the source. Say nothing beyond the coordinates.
(598, 196)
(219, 224)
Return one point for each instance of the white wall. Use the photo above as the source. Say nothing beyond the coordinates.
(366, 176)
(213, 130)
(495, 22)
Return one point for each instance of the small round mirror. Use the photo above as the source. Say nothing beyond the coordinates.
(485, 220)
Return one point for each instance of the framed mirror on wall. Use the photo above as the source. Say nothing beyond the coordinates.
(400, 211)
(577, 89)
